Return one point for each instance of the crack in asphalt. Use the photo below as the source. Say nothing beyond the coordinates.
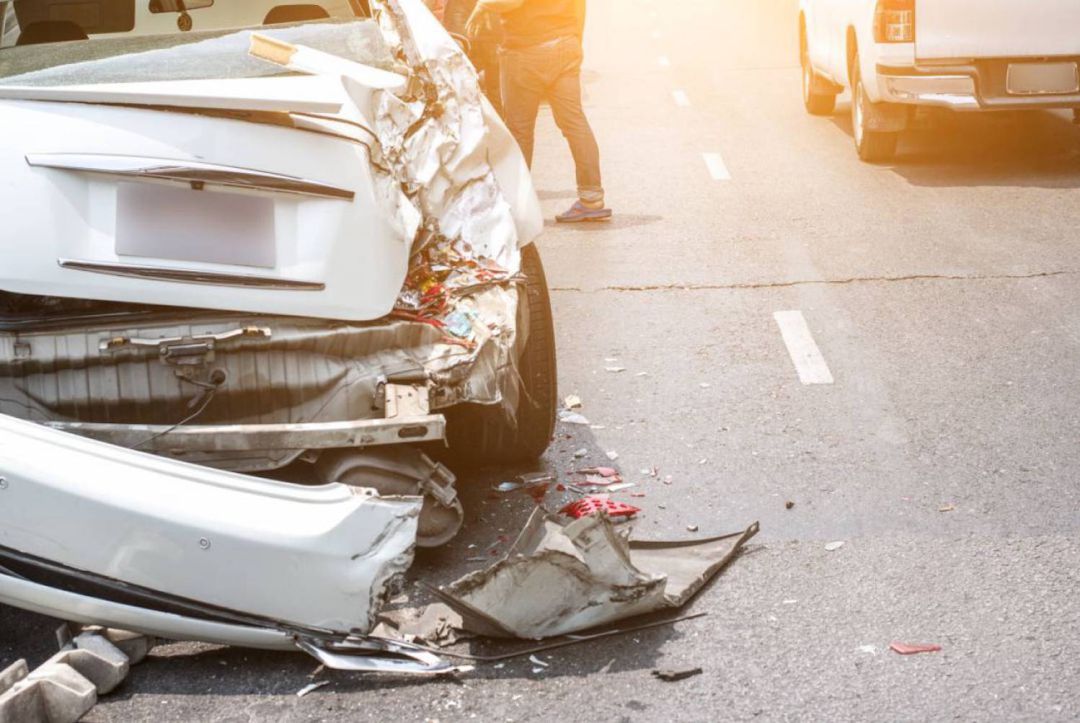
(827, 282)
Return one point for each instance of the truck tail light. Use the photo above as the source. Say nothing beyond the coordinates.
(894, 21)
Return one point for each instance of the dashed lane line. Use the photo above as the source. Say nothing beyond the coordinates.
(715, 163)
(803, 350)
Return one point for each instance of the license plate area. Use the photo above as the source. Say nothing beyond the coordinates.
(181, 224)
(1042, 78)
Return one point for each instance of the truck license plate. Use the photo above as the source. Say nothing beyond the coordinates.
(1042, 79)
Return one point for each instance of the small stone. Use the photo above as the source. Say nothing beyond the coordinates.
(834, 546)
(788, 505)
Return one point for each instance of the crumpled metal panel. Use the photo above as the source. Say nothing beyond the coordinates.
(563, 578)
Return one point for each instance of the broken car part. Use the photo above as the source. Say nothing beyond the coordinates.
(558, 579)
(186, 552)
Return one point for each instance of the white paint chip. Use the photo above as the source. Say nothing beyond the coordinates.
(681, 98)
(715, 163)
(802, 348)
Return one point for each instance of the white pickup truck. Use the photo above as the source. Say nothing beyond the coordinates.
(966, 55)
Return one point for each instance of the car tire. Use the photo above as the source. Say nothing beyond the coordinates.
(816, 102)
(872, 146)
(478, 435)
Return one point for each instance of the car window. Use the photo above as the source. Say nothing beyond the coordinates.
(39, 22)
(151, 50)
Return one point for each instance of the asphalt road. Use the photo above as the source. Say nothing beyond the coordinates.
(941, 292)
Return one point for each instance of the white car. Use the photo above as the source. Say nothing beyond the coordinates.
(251, 236)
(965, 55)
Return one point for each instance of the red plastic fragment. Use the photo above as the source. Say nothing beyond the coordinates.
(602, 471)
(594, 504)
(911, 649)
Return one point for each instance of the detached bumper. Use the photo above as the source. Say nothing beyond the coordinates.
(980, 85)
(93, 532)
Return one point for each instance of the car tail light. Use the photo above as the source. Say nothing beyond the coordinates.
(894, 21)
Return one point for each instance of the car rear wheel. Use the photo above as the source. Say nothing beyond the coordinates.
(872, 146)
(816, 102)
(488, 434)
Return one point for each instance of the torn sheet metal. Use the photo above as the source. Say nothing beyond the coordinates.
(558, 579)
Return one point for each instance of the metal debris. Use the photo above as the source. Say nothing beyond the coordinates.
(562, 578)
(672, 676)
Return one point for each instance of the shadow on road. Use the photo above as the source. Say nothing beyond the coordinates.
(1022, 149)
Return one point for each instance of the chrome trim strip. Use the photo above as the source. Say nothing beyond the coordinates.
(190, 276)
(194, 173)
(248, 437)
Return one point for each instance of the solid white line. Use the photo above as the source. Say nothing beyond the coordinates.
(804, 352)
(664, 61)
(681, 98)
(715, 164)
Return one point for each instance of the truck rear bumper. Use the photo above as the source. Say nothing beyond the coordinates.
(970, 86)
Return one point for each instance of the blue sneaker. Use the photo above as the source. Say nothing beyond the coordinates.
(579, 213)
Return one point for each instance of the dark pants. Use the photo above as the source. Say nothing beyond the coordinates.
(553, 71)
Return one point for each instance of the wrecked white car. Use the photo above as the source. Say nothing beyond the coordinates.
(251, 236)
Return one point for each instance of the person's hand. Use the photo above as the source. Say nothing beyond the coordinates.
(481, 22)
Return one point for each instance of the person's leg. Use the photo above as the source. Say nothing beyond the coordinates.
(522, 89)
(564, 93)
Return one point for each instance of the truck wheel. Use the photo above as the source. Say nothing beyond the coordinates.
(486, 434)
(872, 146)
(816, 102)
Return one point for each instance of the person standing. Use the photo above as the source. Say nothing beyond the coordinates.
(541, 58)
(483, 50)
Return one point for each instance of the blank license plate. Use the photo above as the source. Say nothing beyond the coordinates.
(1042, 78)
(179, 224)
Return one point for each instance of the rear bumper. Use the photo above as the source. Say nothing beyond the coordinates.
(968, 86)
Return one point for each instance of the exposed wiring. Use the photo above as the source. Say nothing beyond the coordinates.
(209, 397)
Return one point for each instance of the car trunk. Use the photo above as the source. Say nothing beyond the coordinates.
(973, 29)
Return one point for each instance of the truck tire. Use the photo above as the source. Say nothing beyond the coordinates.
(872, 146)
(816, 102)
(479, 435)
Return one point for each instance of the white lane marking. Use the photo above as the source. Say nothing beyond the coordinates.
(664, 61)
(802, 348)
(715, 163)
(681, 98)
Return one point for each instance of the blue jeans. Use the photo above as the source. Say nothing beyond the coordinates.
(552, 70)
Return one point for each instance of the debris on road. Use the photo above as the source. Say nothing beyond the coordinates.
(594, 504)
(614, 370)
(561, 578)
(568, 417)
(612, 455)
(573, 401)
(673, 676)
(581, 453)
(311, 687)
(834, 546)
(691, 528)
(913, 648)
(788, 505)
(947, 508)
(536, 661)
(66, 686)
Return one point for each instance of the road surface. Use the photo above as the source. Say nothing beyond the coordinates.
(750, 251)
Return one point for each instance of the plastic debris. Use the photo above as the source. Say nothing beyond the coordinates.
(508, 486)
(833, 546)
(947, 508)
(913, 648)
(618, 487)
(560, 578)
(614, 370)
(602, 471)
(573, 401)
(612, 455)
(310, 687)
(691, 528)
(536, 661)
(569, 417)
(672, 676)
(596, 503)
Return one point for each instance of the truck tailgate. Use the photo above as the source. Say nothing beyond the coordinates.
(952, 29)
